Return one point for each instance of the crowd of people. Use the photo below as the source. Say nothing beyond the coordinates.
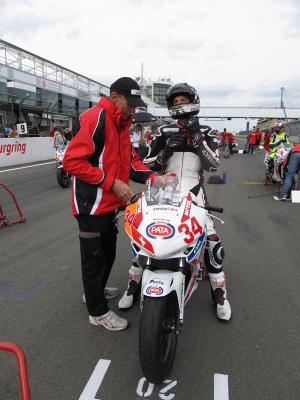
(282, 159)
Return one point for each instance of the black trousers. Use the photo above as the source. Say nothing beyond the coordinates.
(98, 237)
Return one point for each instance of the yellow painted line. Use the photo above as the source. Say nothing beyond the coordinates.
(253, 183)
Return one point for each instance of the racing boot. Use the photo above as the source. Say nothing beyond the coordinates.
(219, 296)
(133, 290)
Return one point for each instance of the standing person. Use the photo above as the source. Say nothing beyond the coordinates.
(187, 148)
(267, 137)
(52, 132)
(278, 138)
(136, 137)
(224, 146)
(59, 139)
(258, 139)
(252, 141)
(148, 136)
(231, 141)
(293, 165)
(101, 160)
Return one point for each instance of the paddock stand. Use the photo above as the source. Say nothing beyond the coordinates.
(22, 367)
(3, 221)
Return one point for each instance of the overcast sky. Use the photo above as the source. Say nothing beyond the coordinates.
(235, 52)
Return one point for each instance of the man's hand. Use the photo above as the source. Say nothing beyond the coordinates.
(171, 143)
(168, 179)
(122, 190)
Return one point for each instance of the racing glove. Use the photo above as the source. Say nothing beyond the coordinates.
(195, 135)
(171, 143)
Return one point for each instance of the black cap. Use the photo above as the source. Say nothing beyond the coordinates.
(130, 89)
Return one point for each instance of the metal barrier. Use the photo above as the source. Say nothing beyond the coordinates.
(3, 221)
(23, 373)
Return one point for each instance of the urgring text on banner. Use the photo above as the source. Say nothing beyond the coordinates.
(16, 147)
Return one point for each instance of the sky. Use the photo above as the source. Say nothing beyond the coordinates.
(234, 52)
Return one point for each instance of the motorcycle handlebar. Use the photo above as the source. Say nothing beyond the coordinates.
(207, 207)
(216, 209)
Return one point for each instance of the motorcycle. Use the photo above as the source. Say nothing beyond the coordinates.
(63, 178)
(167, 229)
(275, 167)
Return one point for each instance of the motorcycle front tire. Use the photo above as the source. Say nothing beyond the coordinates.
(63, 178)
(157, 341)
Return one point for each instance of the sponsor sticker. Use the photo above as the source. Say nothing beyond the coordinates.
(154, 290)
(157, 282)
(160, 230)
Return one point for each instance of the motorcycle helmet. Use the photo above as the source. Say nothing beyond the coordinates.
(278, 126)
(186, 110)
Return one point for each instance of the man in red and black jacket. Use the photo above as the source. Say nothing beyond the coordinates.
(101, 160)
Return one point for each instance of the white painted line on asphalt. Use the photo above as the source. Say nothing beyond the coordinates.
(221, 387)
(95, 380)
(295, 195)
(28, 166)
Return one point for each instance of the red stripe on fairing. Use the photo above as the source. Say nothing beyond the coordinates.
(187, 208)
(139, 216)
(141, 240)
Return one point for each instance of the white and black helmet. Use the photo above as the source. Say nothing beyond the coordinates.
(278, 125)
(182, 110)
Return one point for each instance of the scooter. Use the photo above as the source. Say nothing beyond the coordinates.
(168, 234)
(63, 178)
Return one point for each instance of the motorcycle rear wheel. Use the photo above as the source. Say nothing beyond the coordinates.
(159, 326)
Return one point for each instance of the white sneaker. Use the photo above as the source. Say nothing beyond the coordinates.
(109, 293)
(110, 321)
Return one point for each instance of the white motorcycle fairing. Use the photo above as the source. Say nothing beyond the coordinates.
(163, 282)
(165, 238)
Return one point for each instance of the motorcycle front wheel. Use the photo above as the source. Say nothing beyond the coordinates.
(63, 178)
(159, 326)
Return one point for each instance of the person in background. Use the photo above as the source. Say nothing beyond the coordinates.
(231, 141)
(148, 137)
(52, 132)
(223, 138)
(136, 136)
(13, 132)
(252, 141)
(267, 137)
(293, 166)
(59, 139)
(258, 139)
(68, 135)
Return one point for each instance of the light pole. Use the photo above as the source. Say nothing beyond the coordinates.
(281, 97)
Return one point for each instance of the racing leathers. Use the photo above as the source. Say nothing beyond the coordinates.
(277, 139)
(187, 148)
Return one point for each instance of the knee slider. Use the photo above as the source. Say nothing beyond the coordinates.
(214, 254)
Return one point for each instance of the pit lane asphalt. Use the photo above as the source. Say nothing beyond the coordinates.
(41, 309)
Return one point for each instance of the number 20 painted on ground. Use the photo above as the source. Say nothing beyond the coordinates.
(190, 231)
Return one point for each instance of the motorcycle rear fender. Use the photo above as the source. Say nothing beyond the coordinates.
(161, 283)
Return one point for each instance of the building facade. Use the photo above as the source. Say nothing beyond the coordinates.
(40, 92)
(157, 90)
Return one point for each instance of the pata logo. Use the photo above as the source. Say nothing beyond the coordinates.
(163, 231)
